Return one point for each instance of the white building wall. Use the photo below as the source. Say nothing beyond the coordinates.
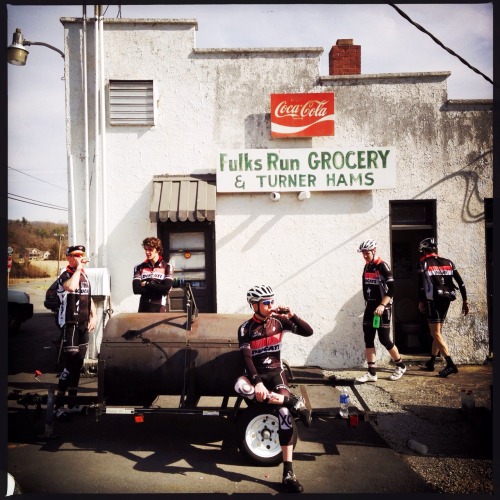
(209, 100)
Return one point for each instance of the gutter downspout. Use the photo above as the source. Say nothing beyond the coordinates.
(72, 201)
(103, 148)
(97, 9)
(86, 132)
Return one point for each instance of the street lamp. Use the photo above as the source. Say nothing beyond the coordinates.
(60, 236)
(17, 54)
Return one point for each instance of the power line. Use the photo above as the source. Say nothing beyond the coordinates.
(30, 201)
(423, 30)
(41, 180)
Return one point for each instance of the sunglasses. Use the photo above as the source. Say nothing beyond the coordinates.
(77, 255)
(267, 302)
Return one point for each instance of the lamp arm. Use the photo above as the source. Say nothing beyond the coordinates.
(26, 42)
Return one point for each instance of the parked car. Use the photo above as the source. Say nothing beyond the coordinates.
(20, 309)
(51, 298)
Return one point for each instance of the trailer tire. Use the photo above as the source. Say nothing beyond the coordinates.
(258, 434)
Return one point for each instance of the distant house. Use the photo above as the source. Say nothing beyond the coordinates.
(46, 255)
(33, 253)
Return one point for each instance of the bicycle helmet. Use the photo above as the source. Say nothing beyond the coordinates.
(428, 245)
(259, 292)
(367, 245)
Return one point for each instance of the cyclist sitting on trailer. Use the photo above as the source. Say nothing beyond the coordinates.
(264, 380)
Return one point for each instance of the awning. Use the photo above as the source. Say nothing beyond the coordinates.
(182, 198)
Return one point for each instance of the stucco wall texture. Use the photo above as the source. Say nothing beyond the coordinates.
(208, 100)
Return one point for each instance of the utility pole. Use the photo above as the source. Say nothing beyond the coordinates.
(60, 236)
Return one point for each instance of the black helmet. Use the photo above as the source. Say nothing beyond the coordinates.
(428, 245)
(259, 292)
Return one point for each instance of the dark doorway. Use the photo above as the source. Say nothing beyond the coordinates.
(191, 248)
(411, 222)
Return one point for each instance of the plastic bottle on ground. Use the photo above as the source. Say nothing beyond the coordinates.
(344, 403)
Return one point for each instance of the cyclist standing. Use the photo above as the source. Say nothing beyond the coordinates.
(153, 278)
(378, 292)
(76, 317)
(436, 290)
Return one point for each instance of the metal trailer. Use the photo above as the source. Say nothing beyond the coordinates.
(146, 357)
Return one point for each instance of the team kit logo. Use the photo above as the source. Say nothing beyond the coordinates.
(157, 274)
(372, 278)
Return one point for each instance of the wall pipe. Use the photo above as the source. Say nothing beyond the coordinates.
(103, 146)
(97, 158)
(86, 133)
(72, 225)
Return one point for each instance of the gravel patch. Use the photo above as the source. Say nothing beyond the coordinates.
(428, 410)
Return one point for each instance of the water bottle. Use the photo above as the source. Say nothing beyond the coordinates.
(376, 321)
(344, 403)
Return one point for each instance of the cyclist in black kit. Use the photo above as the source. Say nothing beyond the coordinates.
(265, 381)
(436, 290)
(76, 317)
(378, 291)
(153, 278)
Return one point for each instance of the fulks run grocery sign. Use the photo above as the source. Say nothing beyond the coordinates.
(302, 115)
(267, 170)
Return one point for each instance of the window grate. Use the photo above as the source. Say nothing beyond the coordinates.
(131, 102)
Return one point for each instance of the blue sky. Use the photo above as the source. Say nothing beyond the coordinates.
(389, 44)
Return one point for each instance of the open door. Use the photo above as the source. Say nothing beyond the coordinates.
(411, 222)
(191, 248)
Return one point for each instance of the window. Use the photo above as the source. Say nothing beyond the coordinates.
(413, 214)
(191, 247)
(131, 102)
(187, 253)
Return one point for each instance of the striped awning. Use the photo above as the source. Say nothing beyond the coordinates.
(182, 199)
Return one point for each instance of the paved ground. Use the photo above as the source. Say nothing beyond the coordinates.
(192, 454)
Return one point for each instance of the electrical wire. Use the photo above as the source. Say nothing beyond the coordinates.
(41, 180)
(423, 30)
(30, 201)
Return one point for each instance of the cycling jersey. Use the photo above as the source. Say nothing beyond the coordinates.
(260, 342)
(159, 277)
(435, 275)
(75, 306)
(377, 281)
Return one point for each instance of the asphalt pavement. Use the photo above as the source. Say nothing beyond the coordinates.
(173, 454)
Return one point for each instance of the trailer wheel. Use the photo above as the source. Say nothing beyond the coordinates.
(258, 435)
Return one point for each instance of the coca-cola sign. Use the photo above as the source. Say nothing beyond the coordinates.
(302, 115)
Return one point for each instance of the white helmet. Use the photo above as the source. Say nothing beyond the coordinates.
(259, 292)
(367, 245)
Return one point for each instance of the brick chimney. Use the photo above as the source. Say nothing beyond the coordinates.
(345, 58)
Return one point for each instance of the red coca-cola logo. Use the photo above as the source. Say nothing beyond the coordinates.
(302, 115)
(309, 108)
